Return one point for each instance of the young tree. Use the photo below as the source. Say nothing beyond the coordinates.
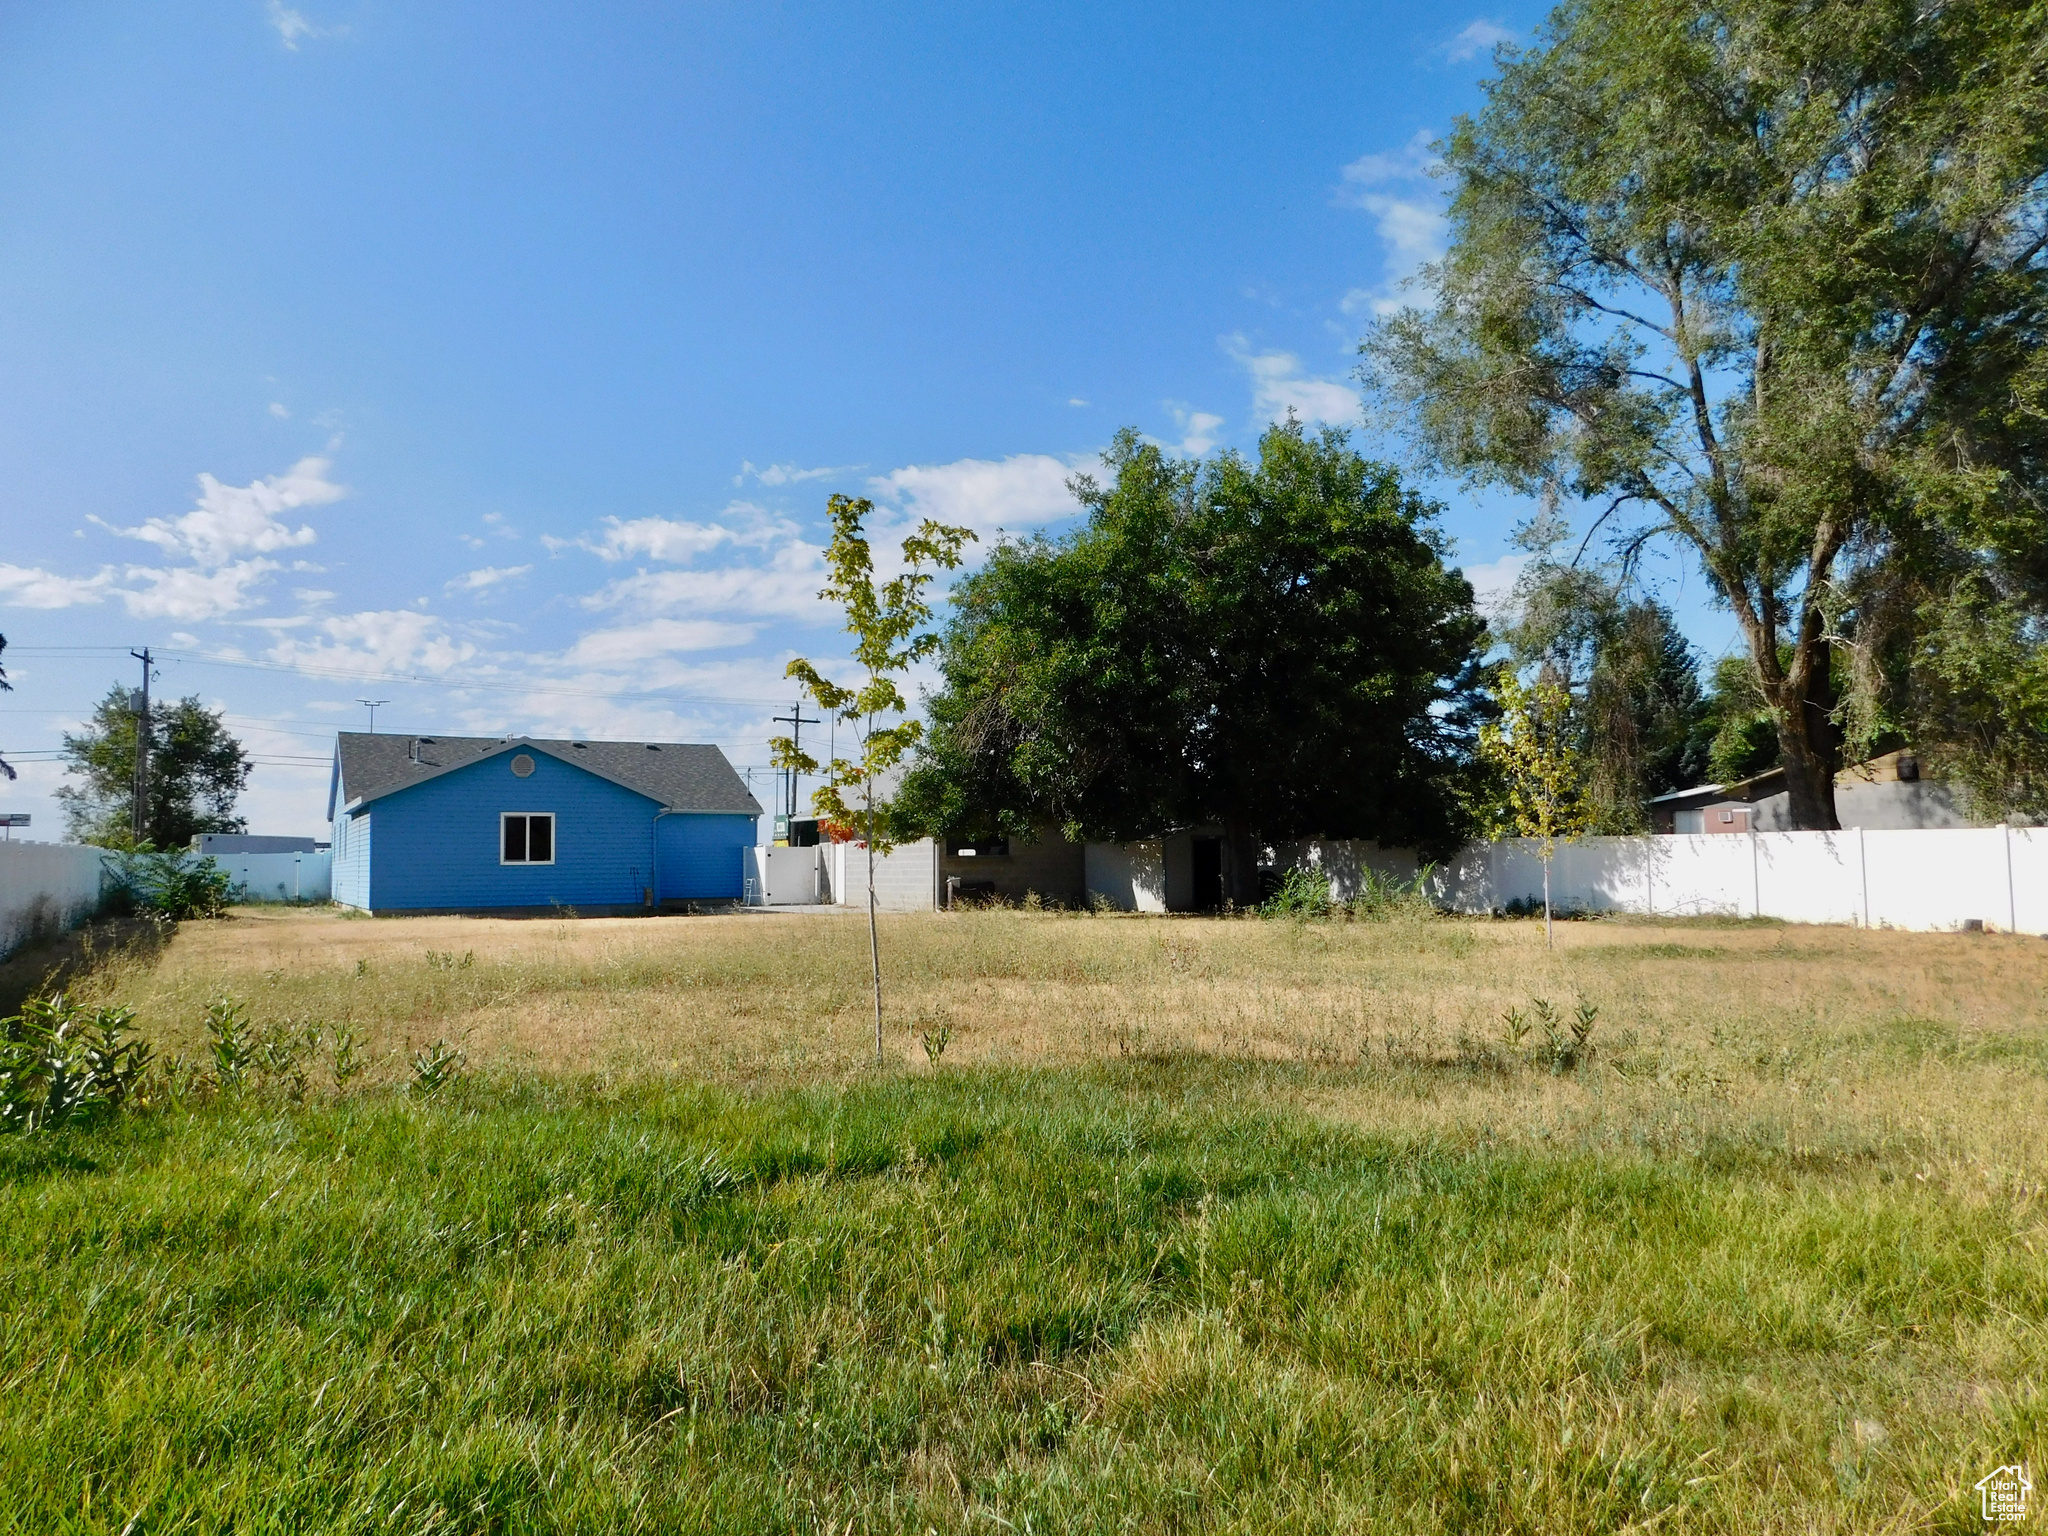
(196, 770)
(1765, 278)
(1534, 746)
(888, 626)
(1277, 646)
(1633, 679)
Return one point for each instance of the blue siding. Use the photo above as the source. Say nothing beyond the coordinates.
(701, 854)
(437, 842)
(352, 860)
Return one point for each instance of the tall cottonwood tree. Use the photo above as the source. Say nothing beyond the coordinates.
(1766, 277)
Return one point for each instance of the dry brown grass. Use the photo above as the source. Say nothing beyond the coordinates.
(1931, 1045)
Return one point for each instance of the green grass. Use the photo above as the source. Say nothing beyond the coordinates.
(1120, 1297)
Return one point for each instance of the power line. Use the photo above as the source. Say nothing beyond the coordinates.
(201, 658)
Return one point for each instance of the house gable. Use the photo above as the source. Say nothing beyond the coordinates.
(439, 841)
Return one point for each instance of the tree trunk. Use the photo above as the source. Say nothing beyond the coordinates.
(1549, 938)
(874, 936)
(1809, 741)
(1802, 700)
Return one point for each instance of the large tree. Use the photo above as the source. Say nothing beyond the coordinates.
(196, 770)
(1765, 276)
(1273, 645)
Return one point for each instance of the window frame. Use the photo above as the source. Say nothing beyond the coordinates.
(527, 863)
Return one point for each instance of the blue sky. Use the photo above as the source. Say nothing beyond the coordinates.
(516, 348)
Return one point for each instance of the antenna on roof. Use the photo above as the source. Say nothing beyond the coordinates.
(371, 705)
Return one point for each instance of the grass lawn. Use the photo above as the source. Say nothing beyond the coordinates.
(1197, 1225)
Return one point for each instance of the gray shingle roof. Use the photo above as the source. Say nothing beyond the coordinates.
(681, 776)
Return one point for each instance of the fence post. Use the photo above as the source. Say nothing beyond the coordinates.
(1863, 869)
(1756, 875)
(2012, 899)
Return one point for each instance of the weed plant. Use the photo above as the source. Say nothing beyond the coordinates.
(63, 1064)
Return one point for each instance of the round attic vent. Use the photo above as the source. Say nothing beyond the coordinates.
(522, 766)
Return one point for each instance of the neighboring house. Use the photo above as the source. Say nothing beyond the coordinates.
(1885, 794)
(487, 823)
(229, 844)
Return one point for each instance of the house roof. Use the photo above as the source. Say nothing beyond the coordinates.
(680, 776)
(1740, 791)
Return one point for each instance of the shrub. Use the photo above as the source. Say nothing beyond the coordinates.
(1384, 897)
(1302, 893)
(171, 884)
(61, 1064)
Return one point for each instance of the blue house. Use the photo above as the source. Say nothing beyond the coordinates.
(496, 823)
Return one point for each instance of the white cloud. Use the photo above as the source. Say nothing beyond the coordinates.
(24, 586)
(790, 474)
(232, 520)
(656, 637)
(1198, 428)
(982, 494)
(789, 590)
(189, 593)
(486, 578)
(1077, 401)
(278, 409)
(678, 541)
(1481, 36)
(1493, 584)
(293, 26)
(1400, 193)
(1278, 386)
(391, 640)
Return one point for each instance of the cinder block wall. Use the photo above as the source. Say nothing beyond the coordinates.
(1050, 865)
(905, 879)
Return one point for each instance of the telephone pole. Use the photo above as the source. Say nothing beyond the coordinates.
(796, 721)
(141, 701)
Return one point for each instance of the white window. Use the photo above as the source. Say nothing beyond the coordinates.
(526, 837)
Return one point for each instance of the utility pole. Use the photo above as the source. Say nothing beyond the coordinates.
(141, 701)
(371, 705)
(796, 721)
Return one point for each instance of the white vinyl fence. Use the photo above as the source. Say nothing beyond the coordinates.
(836, 874)
(279, 876)
(1936, 879)
(44, 889)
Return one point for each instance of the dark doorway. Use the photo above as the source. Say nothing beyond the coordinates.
(1208, 874)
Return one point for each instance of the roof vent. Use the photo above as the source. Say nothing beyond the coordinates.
(652, 747)
(580, 746)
